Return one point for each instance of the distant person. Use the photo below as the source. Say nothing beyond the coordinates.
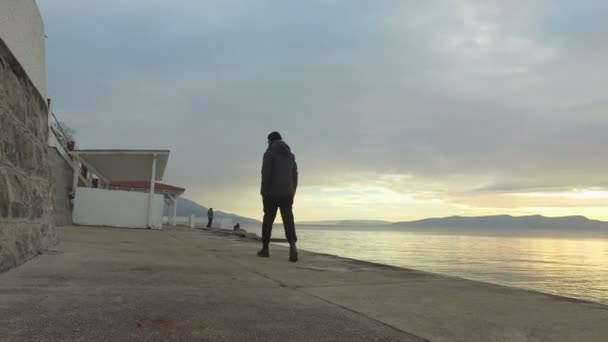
(209, 217)
(237, 226)
(279, 184)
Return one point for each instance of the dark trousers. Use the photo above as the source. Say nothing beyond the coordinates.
(209, 222)
(271, 205)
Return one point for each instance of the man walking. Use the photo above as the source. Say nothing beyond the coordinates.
(209, 217)
(279, 183)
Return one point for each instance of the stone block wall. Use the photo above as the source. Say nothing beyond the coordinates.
(26, 196)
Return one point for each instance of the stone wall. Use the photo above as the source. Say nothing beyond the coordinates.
(62, 174)
(26, 200)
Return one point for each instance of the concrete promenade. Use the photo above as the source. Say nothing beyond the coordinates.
(103, 284)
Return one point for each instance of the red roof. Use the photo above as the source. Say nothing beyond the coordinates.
(145, 185)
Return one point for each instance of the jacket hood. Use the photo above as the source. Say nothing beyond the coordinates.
(279, 147)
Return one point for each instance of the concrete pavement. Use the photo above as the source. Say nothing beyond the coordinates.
(104, 284)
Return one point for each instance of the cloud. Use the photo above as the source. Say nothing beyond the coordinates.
(456, 97)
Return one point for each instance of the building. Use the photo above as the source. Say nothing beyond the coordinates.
(41, 179)
(127, 192)
(22, 30)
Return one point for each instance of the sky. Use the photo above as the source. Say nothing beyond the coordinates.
(395, 109)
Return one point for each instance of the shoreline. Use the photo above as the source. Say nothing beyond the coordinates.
(243, 234)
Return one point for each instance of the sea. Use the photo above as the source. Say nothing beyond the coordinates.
(571, 263)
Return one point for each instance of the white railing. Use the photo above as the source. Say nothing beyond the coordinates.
(201, 222)
(58, 138)
(57, 129)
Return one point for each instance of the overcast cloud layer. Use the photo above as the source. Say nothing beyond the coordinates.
(395, 109)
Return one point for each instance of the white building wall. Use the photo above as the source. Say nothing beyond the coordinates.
(114, 208)
(22, 29)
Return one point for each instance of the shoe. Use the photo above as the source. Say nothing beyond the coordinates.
(264, 253)
(293, 254)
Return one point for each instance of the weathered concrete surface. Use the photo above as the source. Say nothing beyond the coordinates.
(26, 227)
(106, 284)
(62, 175)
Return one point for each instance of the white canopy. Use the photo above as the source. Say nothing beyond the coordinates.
(125, 165)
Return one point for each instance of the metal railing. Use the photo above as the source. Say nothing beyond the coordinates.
(60, 134)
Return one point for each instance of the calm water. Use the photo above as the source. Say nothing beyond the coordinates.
(568, 264)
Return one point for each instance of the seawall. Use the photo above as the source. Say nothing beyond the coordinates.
(26, 182)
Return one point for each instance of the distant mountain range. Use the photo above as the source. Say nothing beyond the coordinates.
(186, 207)
(361, 223)
(507, 221)
(479, 222)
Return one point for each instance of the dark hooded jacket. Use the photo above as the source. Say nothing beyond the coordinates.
(279, 171)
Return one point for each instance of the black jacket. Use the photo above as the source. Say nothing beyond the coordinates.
(279, 171)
